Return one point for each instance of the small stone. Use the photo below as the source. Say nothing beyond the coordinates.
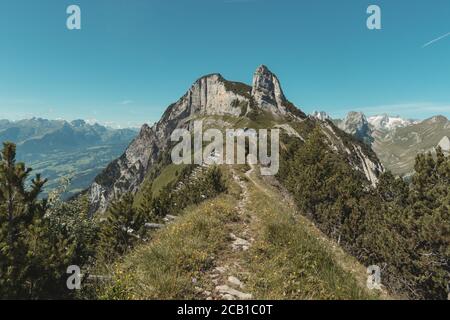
(221, 269)
(235, 282)
(228, 297)
(154, 225)
(230, 291)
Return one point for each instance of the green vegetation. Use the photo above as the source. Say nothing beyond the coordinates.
(289, 261)
(125, 220)
(122, 229)
(166, 267)
(38, 239)
(238, 88)
(291, 108)
(57, 149)
(403, 229)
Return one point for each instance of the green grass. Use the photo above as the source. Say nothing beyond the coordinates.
(166, 267)
(168, 174)
(290, 261)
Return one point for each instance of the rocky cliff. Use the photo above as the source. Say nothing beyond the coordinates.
(210, 96)
(356, 124)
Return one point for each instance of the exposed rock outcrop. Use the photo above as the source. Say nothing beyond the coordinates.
(445, 144)
(267, 91)
(356, 124)
(209, 96)
(321, 115)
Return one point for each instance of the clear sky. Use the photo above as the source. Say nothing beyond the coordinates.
(132, 58)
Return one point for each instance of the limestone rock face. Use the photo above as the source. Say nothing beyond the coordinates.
(356, 124)
(445, 144)
(127, 172)
(321, 115)
(267, 91)
(209, 95)
(209, 98)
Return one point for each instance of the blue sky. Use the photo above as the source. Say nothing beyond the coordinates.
(133, 58)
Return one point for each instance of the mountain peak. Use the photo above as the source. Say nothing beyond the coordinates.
(266, 89)
(263, 69)
(78, 123)
(384, 122)
(436, 119)
(356, 124)
(321, 115)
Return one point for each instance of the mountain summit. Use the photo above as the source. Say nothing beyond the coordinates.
(220, 104)
(267, 91)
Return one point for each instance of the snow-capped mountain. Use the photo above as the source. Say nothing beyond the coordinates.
(385, 122)
(396, 140)
(321, 115)
(356, 124)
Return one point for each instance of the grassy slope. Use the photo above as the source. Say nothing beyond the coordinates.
(292, 259)
(164, 268)
(288, 260)
(169, 173)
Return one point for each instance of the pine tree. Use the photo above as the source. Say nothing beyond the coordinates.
(19, 208)
(121, 229)
(149, 207)
(35, 248)
(404, 228)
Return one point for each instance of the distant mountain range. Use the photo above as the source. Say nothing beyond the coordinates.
(57, 148)
(80, 150)
(396, 141)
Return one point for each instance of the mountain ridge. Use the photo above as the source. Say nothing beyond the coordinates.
(220, 103)
(396, 141)
(65, 149)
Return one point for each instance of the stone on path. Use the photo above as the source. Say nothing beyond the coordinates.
(235, 282)
(226, 290)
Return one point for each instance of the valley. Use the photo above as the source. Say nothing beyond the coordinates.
(74, 151)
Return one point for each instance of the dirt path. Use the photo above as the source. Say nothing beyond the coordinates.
(227, 280)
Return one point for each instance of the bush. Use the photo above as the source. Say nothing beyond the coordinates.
(405, 229)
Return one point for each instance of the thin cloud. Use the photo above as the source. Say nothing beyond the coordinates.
(126, 102)
(436, 40)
